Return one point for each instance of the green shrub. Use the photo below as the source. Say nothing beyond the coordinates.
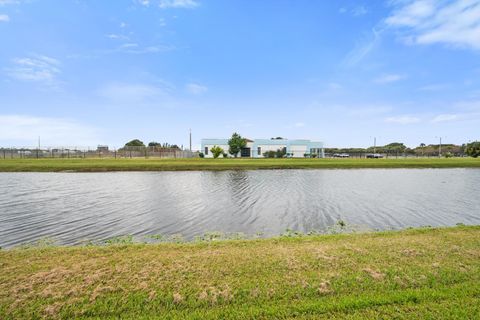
(216, 151)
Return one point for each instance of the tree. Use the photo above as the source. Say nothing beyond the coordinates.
(216, 151)
(154, 144)
(235, 144)
(423, 145)
(473, 149)
(134, 143)
(280, 153)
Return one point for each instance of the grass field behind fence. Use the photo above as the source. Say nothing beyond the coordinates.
(411, 274)
(141, 164)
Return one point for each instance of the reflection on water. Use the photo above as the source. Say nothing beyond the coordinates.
(73, 207)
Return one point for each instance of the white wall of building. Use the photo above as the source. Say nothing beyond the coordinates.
(298, 150)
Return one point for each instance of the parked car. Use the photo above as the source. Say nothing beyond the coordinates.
(374, 156)
(341, 155)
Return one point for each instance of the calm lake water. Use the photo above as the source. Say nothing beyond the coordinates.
(74, 207)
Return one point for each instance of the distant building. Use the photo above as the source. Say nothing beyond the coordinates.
(256, 148)
(101, 148)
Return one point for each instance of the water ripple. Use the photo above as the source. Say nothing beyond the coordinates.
(72, 208)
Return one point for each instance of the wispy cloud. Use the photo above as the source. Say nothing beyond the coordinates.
(368, 111)
(37, 68)
(454, 23)
(132, 92)
(164, 4)
(116, 36)
(299, 124)
(195, 88)
(402, 120)
(6, 2)
(25, 129)
(359, 11)
(389, 78)
(363, 48)
(178, 4)
(4, 18)
(135, 48)
(355, 11)
(434, 87)
(445, 118)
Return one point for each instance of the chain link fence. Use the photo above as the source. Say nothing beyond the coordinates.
(100, 152)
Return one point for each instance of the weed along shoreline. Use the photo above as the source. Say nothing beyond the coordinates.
(414, 273)
(197, 164)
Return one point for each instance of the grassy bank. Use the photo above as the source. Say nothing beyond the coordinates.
(421, 274)
(92, 165)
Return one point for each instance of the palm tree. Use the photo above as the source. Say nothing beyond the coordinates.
(422, 145)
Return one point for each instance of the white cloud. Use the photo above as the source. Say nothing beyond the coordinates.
(36, 68)
(4, 18)
(445, 118)
(402, 120)
(23, 130)
(195, 88)
(389, 78)
(164, 4)
(454, 23)
(128, 92)
(299, 125)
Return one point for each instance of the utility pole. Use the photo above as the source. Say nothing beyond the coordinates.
(38, 149)
(374, 144)
(440, 147)
(190, 139)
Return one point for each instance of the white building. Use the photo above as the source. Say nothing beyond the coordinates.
(256, 148)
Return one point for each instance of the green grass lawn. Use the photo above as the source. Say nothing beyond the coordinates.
(411, 274)
(141, 164)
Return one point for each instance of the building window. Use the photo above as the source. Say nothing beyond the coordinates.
(206, 150)
(259, 151)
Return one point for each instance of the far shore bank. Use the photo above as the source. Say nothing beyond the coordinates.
(197, 164)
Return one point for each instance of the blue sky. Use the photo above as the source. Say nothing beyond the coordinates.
(88, 72)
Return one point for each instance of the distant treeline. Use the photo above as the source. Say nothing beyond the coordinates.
(138, 144)
(400, 149)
